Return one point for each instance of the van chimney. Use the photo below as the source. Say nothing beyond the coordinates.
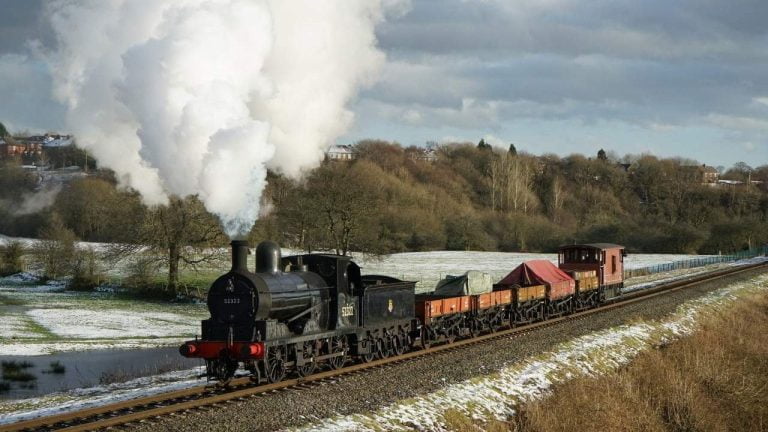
(240, 255)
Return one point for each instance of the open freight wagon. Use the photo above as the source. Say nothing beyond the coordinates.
(539, 290)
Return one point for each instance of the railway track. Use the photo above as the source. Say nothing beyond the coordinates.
(208, 397)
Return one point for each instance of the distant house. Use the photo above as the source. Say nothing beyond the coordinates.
(11, 149)
(428, 155)
(341, 152)
(52, 141)
(31, 148)
(709, 175)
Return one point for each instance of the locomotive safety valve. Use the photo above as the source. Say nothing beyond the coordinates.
(252, 350)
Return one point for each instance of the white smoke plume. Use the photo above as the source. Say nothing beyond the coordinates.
(202, 96)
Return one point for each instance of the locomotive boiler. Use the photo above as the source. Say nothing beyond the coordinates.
(297, 301)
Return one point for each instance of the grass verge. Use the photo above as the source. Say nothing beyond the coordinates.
(714, 380)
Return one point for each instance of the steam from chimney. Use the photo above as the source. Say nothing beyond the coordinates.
(202, 96)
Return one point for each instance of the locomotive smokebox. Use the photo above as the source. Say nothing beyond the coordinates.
(268, 258)
(240, 255)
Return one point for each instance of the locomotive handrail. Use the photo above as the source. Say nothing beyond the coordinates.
(309, 310)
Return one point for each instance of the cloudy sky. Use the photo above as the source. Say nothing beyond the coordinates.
(685, 77)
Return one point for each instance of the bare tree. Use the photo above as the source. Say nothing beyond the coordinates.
(511, 178)
(180, 232)
(344, 199)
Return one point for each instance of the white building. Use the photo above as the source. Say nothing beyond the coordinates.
(341, 152)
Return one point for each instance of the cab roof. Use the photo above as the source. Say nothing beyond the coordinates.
(600, 246)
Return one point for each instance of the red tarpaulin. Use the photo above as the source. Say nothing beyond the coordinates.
(542, 272)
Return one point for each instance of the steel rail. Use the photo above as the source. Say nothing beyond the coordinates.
(135, 410)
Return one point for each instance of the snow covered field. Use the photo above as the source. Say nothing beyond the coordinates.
(496, 394)
(42, 319)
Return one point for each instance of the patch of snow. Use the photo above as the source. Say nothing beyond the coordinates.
(19, 278)
(750, 261)
(14, 326)
(112, 323)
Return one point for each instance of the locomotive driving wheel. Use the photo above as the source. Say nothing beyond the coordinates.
(308, 353)
(337, 345)
(275, 364)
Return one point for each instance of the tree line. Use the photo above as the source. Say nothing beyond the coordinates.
(473, 197)
(476, 197)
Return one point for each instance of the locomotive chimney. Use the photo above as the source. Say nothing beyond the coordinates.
(240, 255)
(268, 257)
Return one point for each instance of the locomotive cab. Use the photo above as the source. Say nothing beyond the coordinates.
(342, 276)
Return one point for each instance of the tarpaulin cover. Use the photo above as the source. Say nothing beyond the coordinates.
(470, 283)
(541, 272)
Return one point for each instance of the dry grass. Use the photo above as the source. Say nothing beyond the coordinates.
(714, 380)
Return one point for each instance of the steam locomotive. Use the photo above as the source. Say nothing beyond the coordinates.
(298, 313)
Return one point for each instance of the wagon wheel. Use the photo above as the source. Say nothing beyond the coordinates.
(496, 323)
(371, 356)
(425, 340)
(275, 365)
(307, 352)
(384, 347)
(337, 344)
(475, 327)
(398, 344)
(451, 335)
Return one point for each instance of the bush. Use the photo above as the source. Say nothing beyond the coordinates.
(86, 271)
(11, 258)
(142, 271)
(144, 280)
(55, 254)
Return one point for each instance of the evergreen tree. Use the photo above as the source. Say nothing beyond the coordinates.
(512, 150)
(482, 145)
(3, 131)
(601, 155)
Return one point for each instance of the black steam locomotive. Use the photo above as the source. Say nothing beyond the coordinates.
(297, 313)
